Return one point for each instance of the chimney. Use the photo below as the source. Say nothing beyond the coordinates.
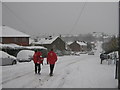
(60, 36)
(45, 38)
(50, 37)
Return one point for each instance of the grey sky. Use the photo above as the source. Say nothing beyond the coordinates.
(0, 13)
(38, 18)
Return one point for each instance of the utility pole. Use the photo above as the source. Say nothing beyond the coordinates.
(119, 51)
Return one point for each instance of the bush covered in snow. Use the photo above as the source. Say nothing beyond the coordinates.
(13, 49)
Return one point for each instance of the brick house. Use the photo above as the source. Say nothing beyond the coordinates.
(78, 46)
(10, 35)
(51, 42)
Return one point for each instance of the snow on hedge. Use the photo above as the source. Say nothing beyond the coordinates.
(35, 47)
(11, 46)
(15, 46)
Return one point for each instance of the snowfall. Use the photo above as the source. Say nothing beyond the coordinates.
(84, 71)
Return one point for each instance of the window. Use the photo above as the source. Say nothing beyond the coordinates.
(24, 39)
(15, 39)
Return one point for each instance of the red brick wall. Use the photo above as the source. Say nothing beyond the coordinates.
(75, 47)
(24, 41)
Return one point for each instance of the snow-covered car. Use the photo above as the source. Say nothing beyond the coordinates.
(84, 52)
(91, 53)
(6, 59)
(77, 53)
(72, 53)
(25, 55)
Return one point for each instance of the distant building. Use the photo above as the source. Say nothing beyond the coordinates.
(10, 35)
(51, 42)
(68, 45)
(93, 45)
(78, 46)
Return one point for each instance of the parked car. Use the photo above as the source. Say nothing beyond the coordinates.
(6, 59)
(105, 56)
(77, 53)
(25, 55)
(91, 53)
(72, 53)
(83, 52)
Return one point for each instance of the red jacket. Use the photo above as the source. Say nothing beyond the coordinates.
(51, 57)
(37, 57)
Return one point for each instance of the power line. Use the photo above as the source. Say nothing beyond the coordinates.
(78, 18)
(26, 24)
(18, 17)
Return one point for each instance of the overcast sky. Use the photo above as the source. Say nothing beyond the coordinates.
(40, 18)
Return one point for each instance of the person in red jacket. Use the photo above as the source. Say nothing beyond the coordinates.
(51, 59)
(38, 60)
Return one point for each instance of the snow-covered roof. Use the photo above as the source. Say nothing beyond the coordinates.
(46, 40)
(82, 43)
(92, 42)
(10, 32)
(15, 46)
(69, 43)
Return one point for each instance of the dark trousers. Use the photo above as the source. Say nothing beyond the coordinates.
(51, 68)
(101, 61)
(37, 68)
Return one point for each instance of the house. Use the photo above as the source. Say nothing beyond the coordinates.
(51, 42)
(93, 45)
(68, 45)
(10, 35)
(78, 46)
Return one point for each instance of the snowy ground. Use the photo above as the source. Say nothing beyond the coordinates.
(84, 71)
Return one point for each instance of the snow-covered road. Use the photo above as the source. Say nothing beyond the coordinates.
(84, 71)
